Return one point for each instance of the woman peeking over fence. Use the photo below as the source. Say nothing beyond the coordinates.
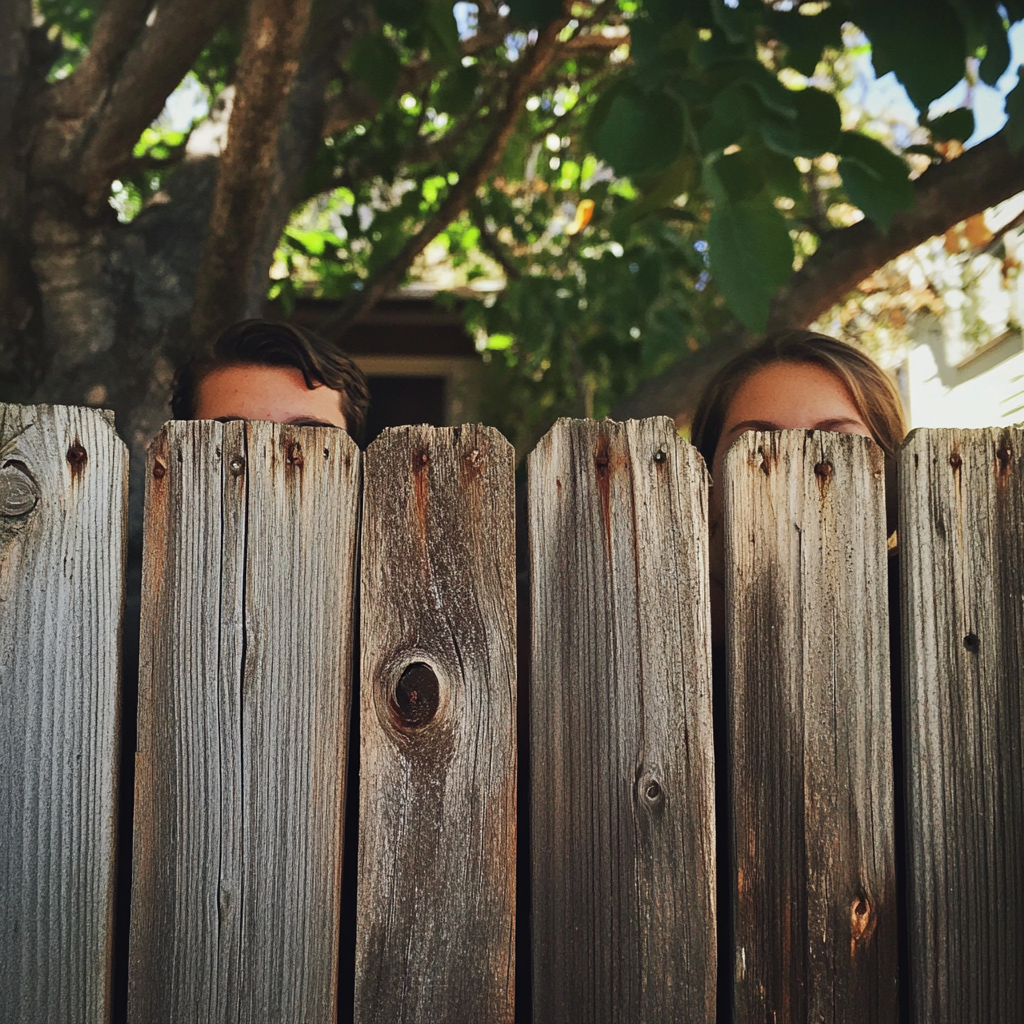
(793, 379)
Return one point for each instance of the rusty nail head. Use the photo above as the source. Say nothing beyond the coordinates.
(159, 469)
(76, 455)
(823, 470)
(660, 456)
(237, 464)
(955, 461)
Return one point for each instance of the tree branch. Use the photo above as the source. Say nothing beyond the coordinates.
(545, 50)
(944, 195)
(152, 69)
(274, 36)
(491, 245)
(117, 28)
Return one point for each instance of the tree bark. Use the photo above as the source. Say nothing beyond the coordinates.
(267, 66)
(945, 195)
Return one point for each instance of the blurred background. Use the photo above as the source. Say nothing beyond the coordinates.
(511, 212)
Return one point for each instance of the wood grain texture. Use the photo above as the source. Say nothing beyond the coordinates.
(436, 911)
(622, 764)
(63, 500)
(809, 729)
(961, 503)
(244, 705)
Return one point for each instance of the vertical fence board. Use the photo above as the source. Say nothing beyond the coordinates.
(436, 904)
(243, 722)
(622, 771)
(962, 573)
(63, 494)
(810, 729)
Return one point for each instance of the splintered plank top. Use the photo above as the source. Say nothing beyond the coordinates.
(622, 768)
(436, 919)
(809, 729)
(63, 501)
(243, 722)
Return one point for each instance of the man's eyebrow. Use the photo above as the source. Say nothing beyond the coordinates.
(303, 421)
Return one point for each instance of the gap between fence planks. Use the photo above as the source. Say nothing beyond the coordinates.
(962, 560)
(813, 884)
(436, 904)
(63, 501)
(622, 786)
(245, 691)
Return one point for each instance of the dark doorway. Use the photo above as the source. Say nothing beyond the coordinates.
(395, 401)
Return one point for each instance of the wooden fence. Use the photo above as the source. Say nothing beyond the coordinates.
(783, 831)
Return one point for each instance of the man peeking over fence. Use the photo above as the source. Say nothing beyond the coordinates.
(261, 370)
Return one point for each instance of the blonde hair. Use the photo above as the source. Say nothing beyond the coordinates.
(873, 393)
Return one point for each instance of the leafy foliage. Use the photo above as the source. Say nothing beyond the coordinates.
(673, 163)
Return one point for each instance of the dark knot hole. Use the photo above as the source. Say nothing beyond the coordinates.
(416, 696)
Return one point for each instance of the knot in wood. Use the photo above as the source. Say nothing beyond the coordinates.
(18, 491)
(972, 642)
(860, 919)
(416, 697)
(77, 458)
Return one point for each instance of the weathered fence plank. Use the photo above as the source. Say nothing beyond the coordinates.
(436, 924)
(622, 787)
(63, 492)
(962, 576)
(814, 896)
(244, 702)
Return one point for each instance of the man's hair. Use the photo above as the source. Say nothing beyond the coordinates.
(874, 395)
(266, 343)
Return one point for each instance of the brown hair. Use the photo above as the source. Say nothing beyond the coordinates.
(873, 393)
(267, 343)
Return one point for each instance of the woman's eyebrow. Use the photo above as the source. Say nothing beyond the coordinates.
(738, 428)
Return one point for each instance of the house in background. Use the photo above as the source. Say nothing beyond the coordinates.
(421, 364)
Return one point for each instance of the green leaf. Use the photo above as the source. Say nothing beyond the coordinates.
(731, 112)
(997, 50)
(640, 133)
(806, 36)
(751, 257)
(1014, 130)
(534, 13)
(442, 30)
(375, 63)
(741, 175)
(922, 41)
(875, 179)
(957, 124)
(814, 130)
(457, 89)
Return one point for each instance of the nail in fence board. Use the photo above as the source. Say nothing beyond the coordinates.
(622, 766)
(244, 701)
(437, 850)
(63, 494)
(962, 575)
(814, 902)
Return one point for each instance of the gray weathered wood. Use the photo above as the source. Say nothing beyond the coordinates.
(622, 766)
(436, 912)
(962, 571)
(244, 704)
(63, 491)
(809, 729)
